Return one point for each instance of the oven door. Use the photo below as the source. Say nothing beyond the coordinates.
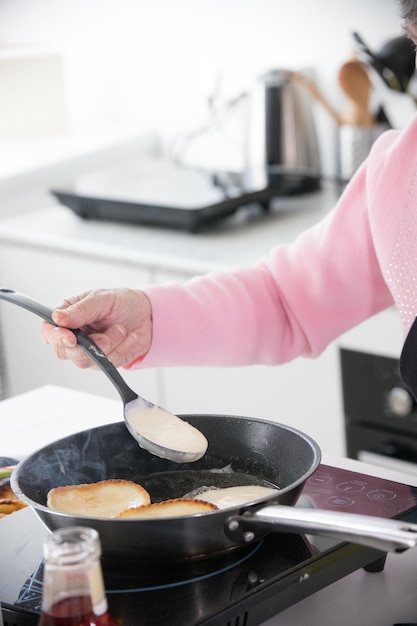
(379, 413)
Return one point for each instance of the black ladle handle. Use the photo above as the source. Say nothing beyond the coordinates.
(127, 394)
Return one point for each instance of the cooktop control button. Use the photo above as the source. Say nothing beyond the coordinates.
(400, 402)
(353, 486)
(381, 494)
(340, 501)
(320, 479)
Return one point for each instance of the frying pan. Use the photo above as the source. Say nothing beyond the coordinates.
(242, 450)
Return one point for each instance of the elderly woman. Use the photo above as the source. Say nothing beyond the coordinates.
(361, 259)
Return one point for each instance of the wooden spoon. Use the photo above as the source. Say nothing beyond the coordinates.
(356, 84)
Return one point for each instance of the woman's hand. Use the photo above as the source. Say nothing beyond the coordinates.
(119, 321)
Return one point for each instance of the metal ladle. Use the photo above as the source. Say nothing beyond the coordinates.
(134, 405)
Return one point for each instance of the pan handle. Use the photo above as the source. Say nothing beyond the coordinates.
(388, 535)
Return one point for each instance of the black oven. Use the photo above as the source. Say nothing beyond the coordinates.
(380, 415)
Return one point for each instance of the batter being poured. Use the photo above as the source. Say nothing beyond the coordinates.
(166, 431)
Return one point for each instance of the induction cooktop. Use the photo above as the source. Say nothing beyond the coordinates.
(246, 587)
(157, 192)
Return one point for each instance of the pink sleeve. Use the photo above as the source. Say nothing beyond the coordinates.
(293, 302)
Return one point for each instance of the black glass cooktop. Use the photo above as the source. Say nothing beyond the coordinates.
(248, 586)
(160, 193)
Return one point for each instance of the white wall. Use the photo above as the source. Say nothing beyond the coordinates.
(155, 63)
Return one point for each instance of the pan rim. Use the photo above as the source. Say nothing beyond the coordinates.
(316, 460)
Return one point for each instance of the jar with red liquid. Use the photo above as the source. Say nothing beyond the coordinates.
(73, 587)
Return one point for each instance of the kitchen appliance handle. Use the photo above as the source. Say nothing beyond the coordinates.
(388, 535)
(389, 462)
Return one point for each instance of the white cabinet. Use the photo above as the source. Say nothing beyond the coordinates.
(303, 394)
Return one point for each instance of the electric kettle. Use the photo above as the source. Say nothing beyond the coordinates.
(281, 148)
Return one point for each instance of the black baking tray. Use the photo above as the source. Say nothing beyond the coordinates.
(158, 193)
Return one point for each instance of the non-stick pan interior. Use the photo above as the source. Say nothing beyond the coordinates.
(241, 451)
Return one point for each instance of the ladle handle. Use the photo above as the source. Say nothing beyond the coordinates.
(127, 394)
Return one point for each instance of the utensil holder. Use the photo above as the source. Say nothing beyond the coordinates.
(353, 146)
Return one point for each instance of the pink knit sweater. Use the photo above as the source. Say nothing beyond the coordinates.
(359, 260)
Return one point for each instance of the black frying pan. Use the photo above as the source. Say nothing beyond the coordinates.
(241, 451)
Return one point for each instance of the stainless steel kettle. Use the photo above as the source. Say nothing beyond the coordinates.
(281, 146)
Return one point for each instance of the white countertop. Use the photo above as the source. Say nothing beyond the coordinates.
(36, 418)
(57, 228)
(32, 420)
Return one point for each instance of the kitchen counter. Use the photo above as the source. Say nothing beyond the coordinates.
(232, 243)
(381, 599)
(32, 420)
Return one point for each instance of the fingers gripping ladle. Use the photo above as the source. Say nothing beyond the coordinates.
(154, 428)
